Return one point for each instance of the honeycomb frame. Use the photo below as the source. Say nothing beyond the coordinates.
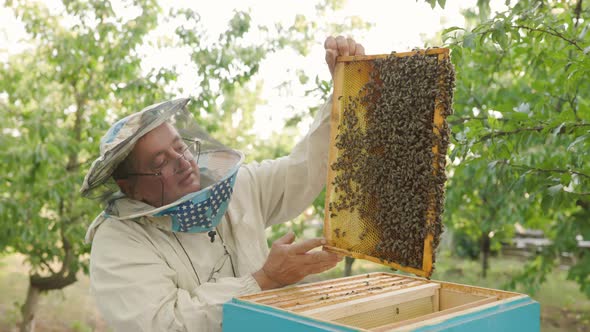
(335, 229)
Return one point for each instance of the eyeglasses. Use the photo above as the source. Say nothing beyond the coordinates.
(168, 168)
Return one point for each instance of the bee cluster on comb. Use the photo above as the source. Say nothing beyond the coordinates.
(391, 158)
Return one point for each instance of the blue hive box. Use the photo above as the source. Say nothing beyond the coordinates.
(382, 302)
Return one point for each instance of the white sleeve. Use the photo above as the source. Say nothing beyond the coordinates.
(135, 288)
(287, 185)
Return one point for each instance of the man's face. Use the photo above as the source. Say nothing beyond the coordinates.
(160, 151)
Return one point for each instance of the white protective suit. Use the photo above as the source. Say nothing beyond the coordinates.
(140, 275)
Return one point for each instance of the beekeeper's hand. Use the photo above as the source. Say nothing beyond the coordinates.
(336, 46)
(289, 262)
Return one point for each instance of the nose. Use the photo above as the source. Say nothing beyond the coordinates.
(182, 162)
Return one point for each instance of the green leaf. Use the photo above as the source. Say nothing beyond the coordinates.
(566, 178)
(553, 190)
(431, 2)
(451, 29)
(518, 116)
(469, 40)
(578, 140)
(583, 32)
(557, 130)
(492, 165)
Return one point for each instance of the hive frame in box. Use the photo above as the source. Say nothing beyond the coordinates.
(337, 108)
(381, 302)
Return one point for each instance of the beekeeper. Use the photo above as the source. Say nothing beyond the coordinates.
(183, 229)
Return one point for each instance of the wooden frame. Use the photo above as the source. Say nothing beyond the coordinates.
(438, 121)
(435, 314)
(370, 303)
(445, 300)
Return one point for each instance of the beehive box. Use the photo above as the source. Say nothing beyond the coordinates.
(355, 214)
(382, 302)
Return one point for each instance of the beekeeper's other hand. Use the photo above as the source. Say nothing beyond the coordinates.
(288, 262)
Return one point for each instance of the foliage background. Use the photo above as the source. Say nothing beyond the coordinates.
(520, 132)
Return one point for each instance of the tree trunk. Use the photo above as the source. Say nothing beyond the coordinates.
(348, 266)
(29, 309)
(38, 284)
(485, 253)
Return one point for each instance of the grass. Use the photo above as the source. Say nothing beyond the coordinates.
(71, 309)
(563, 306)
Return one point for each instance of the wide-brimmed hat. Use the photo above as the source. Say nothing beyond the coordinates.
(120, 139)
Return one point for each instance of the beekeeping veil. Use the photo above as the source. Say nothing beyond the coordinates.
(199, 211)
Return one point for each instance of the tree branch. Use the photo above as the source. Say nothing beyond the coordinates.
(494, 134)
(499, 133)
(47, 266)
(578, 12)
(552, 33)
(583, 204)
(74, 166)
(66, 275)
(544, 170)
(461, 120)
(466, 118)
